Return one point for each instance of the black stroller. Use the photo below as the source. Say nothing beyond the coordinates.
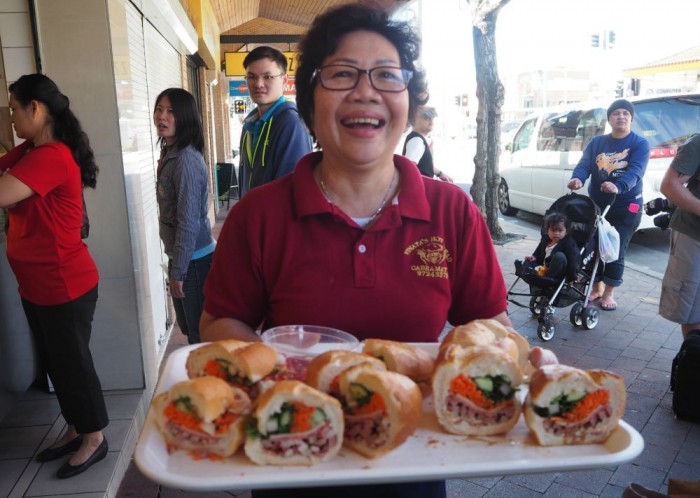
(547, 294)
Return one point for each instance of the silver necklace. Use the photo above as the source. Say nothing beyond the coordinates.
(379, 210)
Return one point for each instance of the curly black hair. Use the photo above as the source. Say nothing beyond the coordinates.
(324, 36)
(66, 127)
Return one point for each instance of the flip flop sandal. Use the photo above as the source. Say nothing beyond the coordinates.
(608, 304)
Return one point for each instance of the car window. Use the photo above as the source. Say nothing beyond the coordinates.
(591, 124)
(667, 123)
(522, 138)
(557, 131)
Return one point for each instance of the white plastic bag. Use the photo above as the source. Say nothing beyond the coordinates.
(608, 241)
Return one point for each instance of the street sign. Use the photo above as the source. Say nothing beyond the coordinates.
(237, 88)
(234, 63)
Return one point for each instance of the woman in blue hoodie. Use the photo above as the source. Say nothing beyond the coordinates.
(616, 164)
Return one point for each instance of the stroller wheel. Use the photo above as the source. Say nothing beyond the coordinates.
(575, 315)
(538, 305)
(589, 316)
(545, 330)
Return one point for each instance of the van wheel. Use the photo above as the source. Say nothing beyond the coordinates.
(504, 200)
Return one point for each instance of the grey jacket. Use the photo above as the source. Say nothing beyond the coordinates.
(183, 201)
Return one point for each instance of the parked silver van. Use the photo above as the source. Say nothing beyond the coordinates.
(548, 145)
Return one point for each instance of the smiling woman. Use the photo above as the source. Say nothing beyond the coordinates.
(355, 238)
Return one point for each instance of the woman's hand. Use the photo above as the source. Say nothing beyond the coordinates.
(608, 188)
(574, 184)
(177, 289)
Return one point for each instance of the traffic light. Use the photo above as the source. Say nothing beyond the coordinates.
(620, 89)
(239, 106)
(457, 100)
(595, 40)
(465, 100)
(611, 39)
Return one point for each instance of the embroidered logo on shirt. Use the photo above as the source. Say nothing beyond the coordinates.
(428, 256)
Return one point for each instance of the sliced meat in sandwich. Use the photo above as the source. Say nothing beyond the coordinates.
(204, 415)
(474, 390)
(567, 405)
(382, 409)
(294, 424)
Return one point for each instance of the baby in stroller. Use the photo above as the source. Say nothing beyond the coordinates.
(556, 255)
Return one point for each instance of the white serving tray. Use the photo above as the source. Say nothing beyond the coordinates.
(429, 454)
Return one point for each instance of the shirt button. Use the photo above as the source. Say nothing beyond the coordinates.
(362, 248)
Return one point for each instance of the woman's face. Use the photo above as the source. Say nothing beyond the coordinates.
(164, 119)
(23, 119)
(361, 126)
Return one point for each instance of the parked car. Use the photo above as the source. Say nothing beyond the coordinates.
(549, 144)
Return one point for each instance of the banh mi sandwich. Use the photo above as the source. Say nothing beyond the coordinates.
(474, 390)
(325, 369)
(403, 358)
(382, 409)
(488, 331)
(205, 415)
(241, 365)
(294, 424)
(567, 405)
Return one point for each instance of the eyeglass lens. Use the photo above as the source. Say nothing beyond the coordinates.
(382, 78)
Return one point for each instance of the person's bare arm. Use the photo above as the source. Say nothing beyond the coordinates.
(673, 187)
(215, 329)
(12, 190)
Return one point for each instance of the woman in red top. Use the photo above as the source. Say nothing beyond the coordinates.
(41, 183)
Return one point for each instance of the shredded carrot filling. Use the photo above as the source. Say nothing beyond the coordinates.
(302, 417)
(201, 455)
(215, 369)
(223, 422)
(376, 404)
(181, 418)
(335, 385)
(466, 387)
(587, 405)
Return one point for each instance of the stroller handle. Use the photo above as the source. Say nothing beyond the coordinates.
(607, 208)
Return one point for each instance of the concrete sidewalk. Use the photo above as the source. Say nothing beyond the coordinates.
(632, 341)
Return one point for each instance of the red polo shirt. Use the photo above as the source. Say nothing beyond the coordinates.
(287, 256)
(44, 249)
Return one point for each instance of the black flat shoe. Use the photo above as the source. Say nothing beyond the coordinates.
(67, 470)
(53, 453)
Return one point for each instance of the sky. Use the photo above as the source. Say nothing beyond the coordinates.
(538, 34)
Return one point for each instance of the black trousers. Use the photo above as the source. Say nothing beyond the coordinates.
(62, 339)
(431, 489)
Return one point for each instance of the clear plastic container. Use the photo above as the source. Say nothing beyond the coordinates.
(308, 340)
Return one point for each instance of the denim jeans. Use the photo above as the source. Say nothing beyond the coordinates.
(626, 223)
(188, 309)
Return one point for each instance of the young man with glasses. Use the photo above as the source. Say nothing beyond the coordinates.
(416, 146)
(274, 138)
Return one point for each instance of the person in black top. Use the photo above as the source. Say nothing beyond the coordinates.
(557, 253)
(416, 146)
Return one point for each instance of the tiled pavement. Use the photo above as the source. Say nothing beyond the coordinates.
(633, 341)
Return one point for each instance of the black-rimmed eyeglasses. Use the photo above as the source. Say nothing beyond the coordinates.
(345, 77)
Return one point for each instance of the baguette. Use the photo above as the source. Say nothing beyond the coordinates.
(474, 390)
(403, 358)
(294, 424)
(204, 415)
(241, 364)
(325, 369)
(382, 409)
(489, 332)
(567, 405)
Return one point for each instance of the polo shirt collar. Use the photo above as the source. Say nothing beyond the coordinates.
(309, 199)
(251, 118)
